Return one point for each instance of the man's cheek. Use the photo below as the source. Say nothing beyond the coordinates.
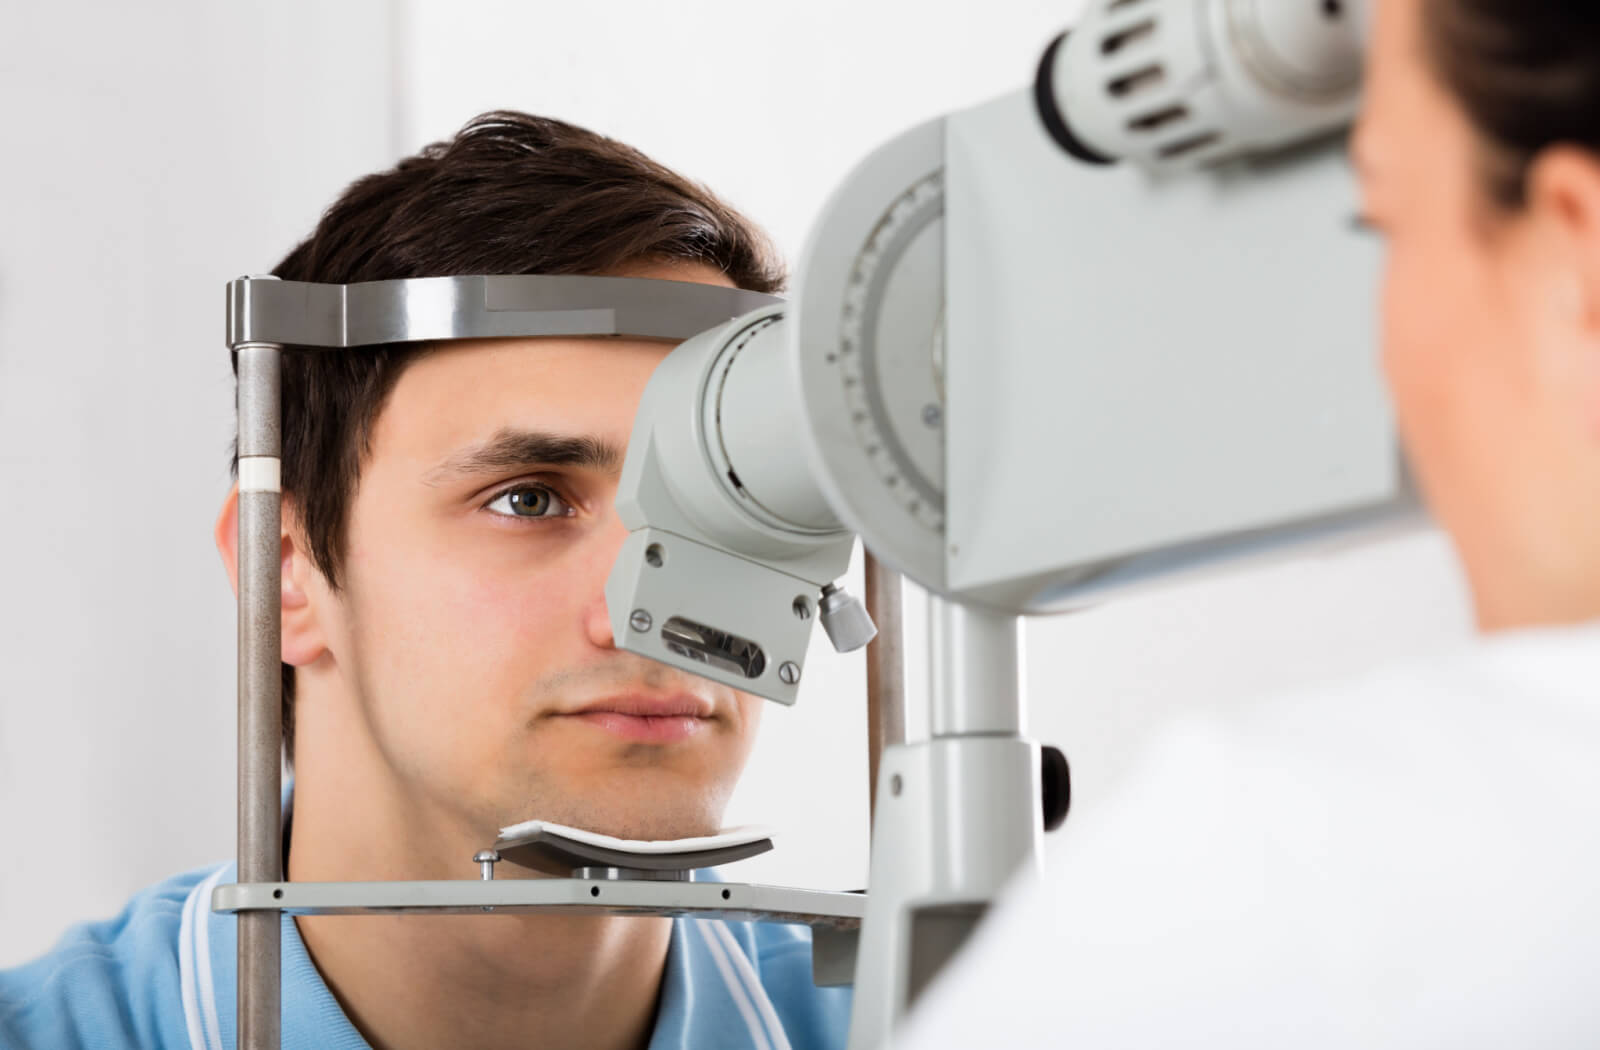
(1414, 330)
(491, 615)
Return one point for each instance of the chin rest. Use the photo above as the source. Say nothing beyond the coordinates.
(556, 849)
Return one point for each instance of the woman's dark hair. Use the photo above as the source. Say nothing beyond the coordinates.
(510, 194)
(1527, 73)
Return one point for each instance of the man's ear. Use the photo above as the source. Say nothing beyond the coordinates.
(1564, 203)
(301, 591)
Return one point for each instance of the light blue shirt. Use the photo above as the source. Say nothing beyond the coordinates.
(162, 974)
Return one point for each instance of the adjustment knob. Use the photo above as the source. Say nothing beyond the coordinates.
(845, 619)
(1057, 784)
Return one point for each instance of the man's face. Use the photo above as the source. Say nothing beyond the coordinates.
(472, 635)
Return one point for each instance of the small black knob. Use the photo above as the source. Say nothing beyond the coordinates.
(1057, 781)
(1050, 115)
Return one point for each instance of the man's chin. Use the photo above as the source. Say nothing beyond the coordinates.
(655, 817)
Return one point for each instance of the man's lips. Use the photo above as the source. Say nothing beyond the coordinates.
(651, 719)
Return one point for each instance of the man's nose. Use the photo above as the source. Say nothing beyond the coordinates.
(608, 540)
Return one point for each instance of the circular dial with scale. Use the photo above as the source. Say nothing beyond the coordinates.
(868, 345)
(887, 358)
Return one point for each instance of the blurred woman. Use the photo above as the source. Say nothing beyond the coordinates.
(1409, 859)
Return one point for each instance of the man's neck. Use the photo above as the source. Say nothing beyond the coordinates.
(460, 981)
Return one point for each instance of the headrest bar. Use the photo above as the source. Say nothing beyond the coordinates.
(333, 316)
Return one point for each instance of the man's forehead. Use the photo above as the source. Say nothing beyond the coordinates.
(459, 401)
(605, 367)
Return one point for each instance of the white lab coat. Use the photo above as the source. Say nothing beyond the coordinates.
(1411, 859)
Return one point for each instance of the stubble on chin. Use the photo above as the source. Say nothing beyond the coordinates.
(634, 794)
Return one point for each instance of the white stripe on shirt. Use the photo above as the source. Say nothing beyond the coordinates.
(735, 989)
(186, 981)
(758, 993)
(208, 990)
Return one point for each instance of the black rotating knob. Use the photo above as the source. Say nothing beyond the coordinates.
(1057, 781)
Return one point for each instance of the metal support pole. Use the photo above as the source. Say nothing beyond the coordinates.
(886, 685)
(960, 813)
(975, 662)
(260, 688)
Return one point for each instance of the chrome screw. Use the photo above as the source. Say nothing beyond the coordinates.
(640, 620)
(789, 672)
(486, 859)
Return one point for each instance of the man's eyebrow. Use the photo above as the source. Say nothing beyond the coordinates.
(511, 449)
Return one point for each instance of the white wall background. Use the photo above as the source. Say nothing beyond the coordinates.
(152, 151)
(148, 153)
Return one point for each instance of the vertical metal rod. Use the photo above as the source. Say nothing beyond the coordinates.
(886, 684)
(960, 816)
(975, 677)
(260, 689)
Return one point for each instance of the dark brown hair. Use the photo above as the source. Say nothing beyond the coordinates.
(510, 194)
(1527, 73)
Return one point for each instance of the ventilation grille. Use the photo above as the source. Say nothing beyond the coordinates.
(1156, 118)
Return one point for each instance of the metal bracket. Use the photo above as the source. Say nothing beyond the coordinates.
(705, 900)
(306, 315)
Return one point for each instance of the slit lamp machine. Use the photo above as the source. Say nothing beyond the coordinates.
(1103, 332)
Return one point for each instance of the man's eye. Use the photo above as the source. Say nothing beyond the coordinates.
(529, 501)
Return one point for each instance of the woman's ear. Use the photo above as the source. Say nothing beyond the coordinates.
(302, 592)
(1564, 202)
